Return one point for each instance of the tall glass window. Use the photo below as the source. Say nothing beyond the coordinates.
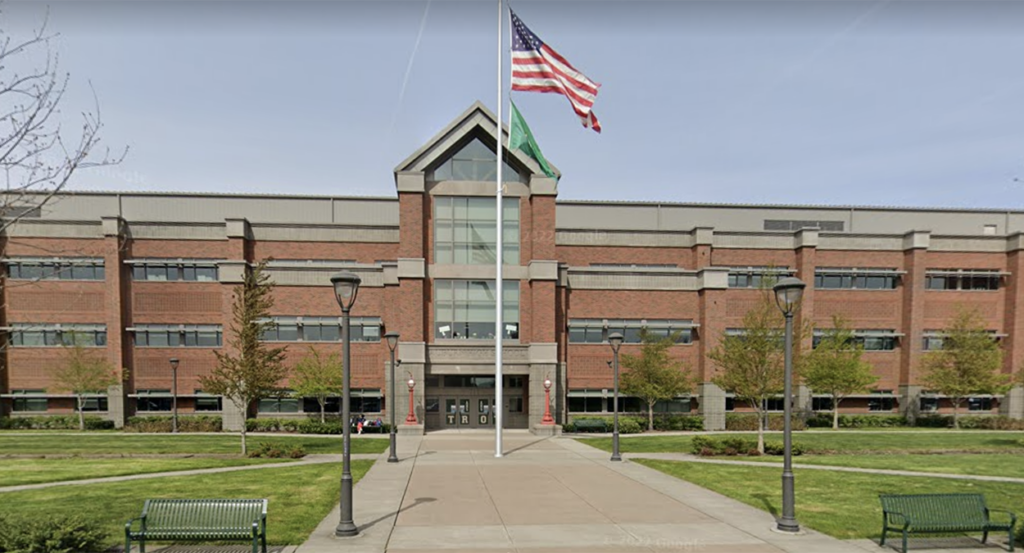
(465, 233)
(464, 309)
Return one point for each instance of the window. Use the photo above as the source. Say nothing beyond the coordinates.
(596, 331)
(366, 401)
(515, 405)
(821, 404)
(677, 405)
(474, 162)
(278, 405)
(172, 336)
(962, 279)
(92, 404)
(153, 400)
(331, 405)
(197, 270)
(55, 269)
(514, 382)
(774, 404)
(634, 265)
(979, 404)
(857, 278)
(586, 401)
(869, 340)
(827, 226)
(752, 277)
(465, 231)
(34, 401)
(465, 381)
(207, 402)
(322, 329)
(934, 340)
(49, 335)
(730, 403)
(432, 404)
(929, 404)
(464, 309)
(881, 401)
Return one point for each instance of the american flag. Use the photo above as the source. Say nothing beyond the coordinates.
(536, 67)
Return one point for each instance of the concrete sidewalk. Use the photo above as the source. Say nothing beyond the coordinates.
(450, 494)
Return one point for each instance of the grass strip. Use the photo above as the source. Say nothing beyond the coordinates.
(299, 497)
(842, 505)
(17, 472)
(135, 444)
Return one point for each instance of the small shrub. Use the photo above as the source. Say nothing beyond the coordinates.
(857, 421)
(569, 427)
(777, 448)
(708, 446)
(165, 423)
(629, 425)
(747, 422)
(676, 422)
(52, 534)
(934, 421)
(998, 422)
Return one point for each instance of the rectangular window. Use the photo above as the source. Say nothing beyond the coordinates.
(465, 230)
(322, 329)
(50, 335)
(775, 404)
(72, 268)
(515, 405)
(979, 404)
(93, 404)
(515, 382)
(32, 404)
(153, 400)
(198, 270)
(677, 405)
(596, 331)
(586, 401)
(821, 404)
(881, 402)
(869, 340)
(962, 279)
(464, 309)
(855, 278)
(929, 404)
(207, 402)
(282, 404)
(172, 336)
(752, 277)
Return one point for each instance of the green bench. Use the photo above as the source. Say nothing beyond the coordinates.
(941, 514)
(590, 425)
(200, 520)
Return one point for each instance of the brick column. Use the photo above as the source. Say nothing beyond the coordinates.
(117, 298)
(1013, 324)
(915, 251)
(232, 274)
(806, 242)
(703, 240)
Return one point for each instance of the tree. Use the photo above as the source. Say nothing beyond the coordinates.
(84, 372)
(834, 366)
(250, 370)
(752, 363)
(968, 362)
(318, 376)
(38, 158)
(654, 375)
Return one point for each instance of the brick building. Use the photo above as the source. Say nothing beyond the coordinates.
(146, 277)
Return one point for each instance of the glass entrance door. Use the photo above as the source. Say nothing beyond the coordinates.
(485, 412)
(456, 413)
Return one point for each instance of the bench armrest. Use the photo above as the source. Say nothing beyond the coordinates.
(1013, 516)
(128, 525)
(890, 515)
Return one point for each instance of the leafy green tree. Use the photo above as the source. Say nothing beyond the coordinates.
(318, 376)
(835, 366)
(654, 375)
(84, 372)
(968, 362)
(249, 370)
(752, 364)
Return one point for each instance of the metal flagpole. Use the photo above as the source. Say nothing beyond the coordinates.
(500, 289)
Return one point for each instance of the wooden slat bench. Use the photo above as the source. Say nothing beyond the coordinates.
(200, 520)
(590, 425)
(941, 514)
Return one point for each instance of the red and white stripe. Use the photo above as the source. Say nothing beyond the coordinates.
(544, 70)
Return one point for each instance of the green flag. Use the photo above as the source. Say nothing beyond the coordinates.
(520, 138)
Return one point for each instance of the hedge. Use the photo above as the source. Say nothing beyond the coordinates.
(747, 422)
(50, 534)
(304, 426)
(165, 423)
(709, 446)
(858, 421)
(54, 422)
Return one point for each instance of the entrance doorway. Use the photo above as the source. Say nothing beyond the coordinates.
(467, 402)
(477, 412)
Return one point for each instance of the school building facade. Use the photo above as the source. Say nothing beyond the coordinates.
(146, 277)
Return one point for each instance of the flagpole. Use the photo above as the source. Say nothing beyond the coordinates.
(500, 292)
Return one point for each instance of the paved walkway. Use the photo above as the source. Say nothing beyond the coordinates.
(450, 495)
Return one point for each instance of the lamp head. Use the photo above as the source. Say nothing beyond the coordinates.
(174, 363)
(788, 292)
(615, 339)
(547, 383)
(346, 286)
(392, 338)
(412, 383)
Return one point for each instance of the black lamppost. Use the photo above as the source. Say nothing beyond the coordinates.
(615, 339)
(787, 294)
(174, 395)
(392, 338)
(346, 285)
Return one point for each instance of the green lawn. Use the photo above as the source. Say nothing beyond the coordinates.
(138, 444)
(299, 497)
(981, 464)
(15, 472)
(843, 505)
(843, 442)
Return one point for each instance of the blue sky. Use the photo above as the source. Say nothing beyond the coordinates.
(912, 103)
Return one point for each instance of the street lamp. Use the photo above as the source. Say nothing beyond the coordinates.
(346, 286)
(392, 338)
(787, 294)
(615, 339)
(548, 419)
(174, 395)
